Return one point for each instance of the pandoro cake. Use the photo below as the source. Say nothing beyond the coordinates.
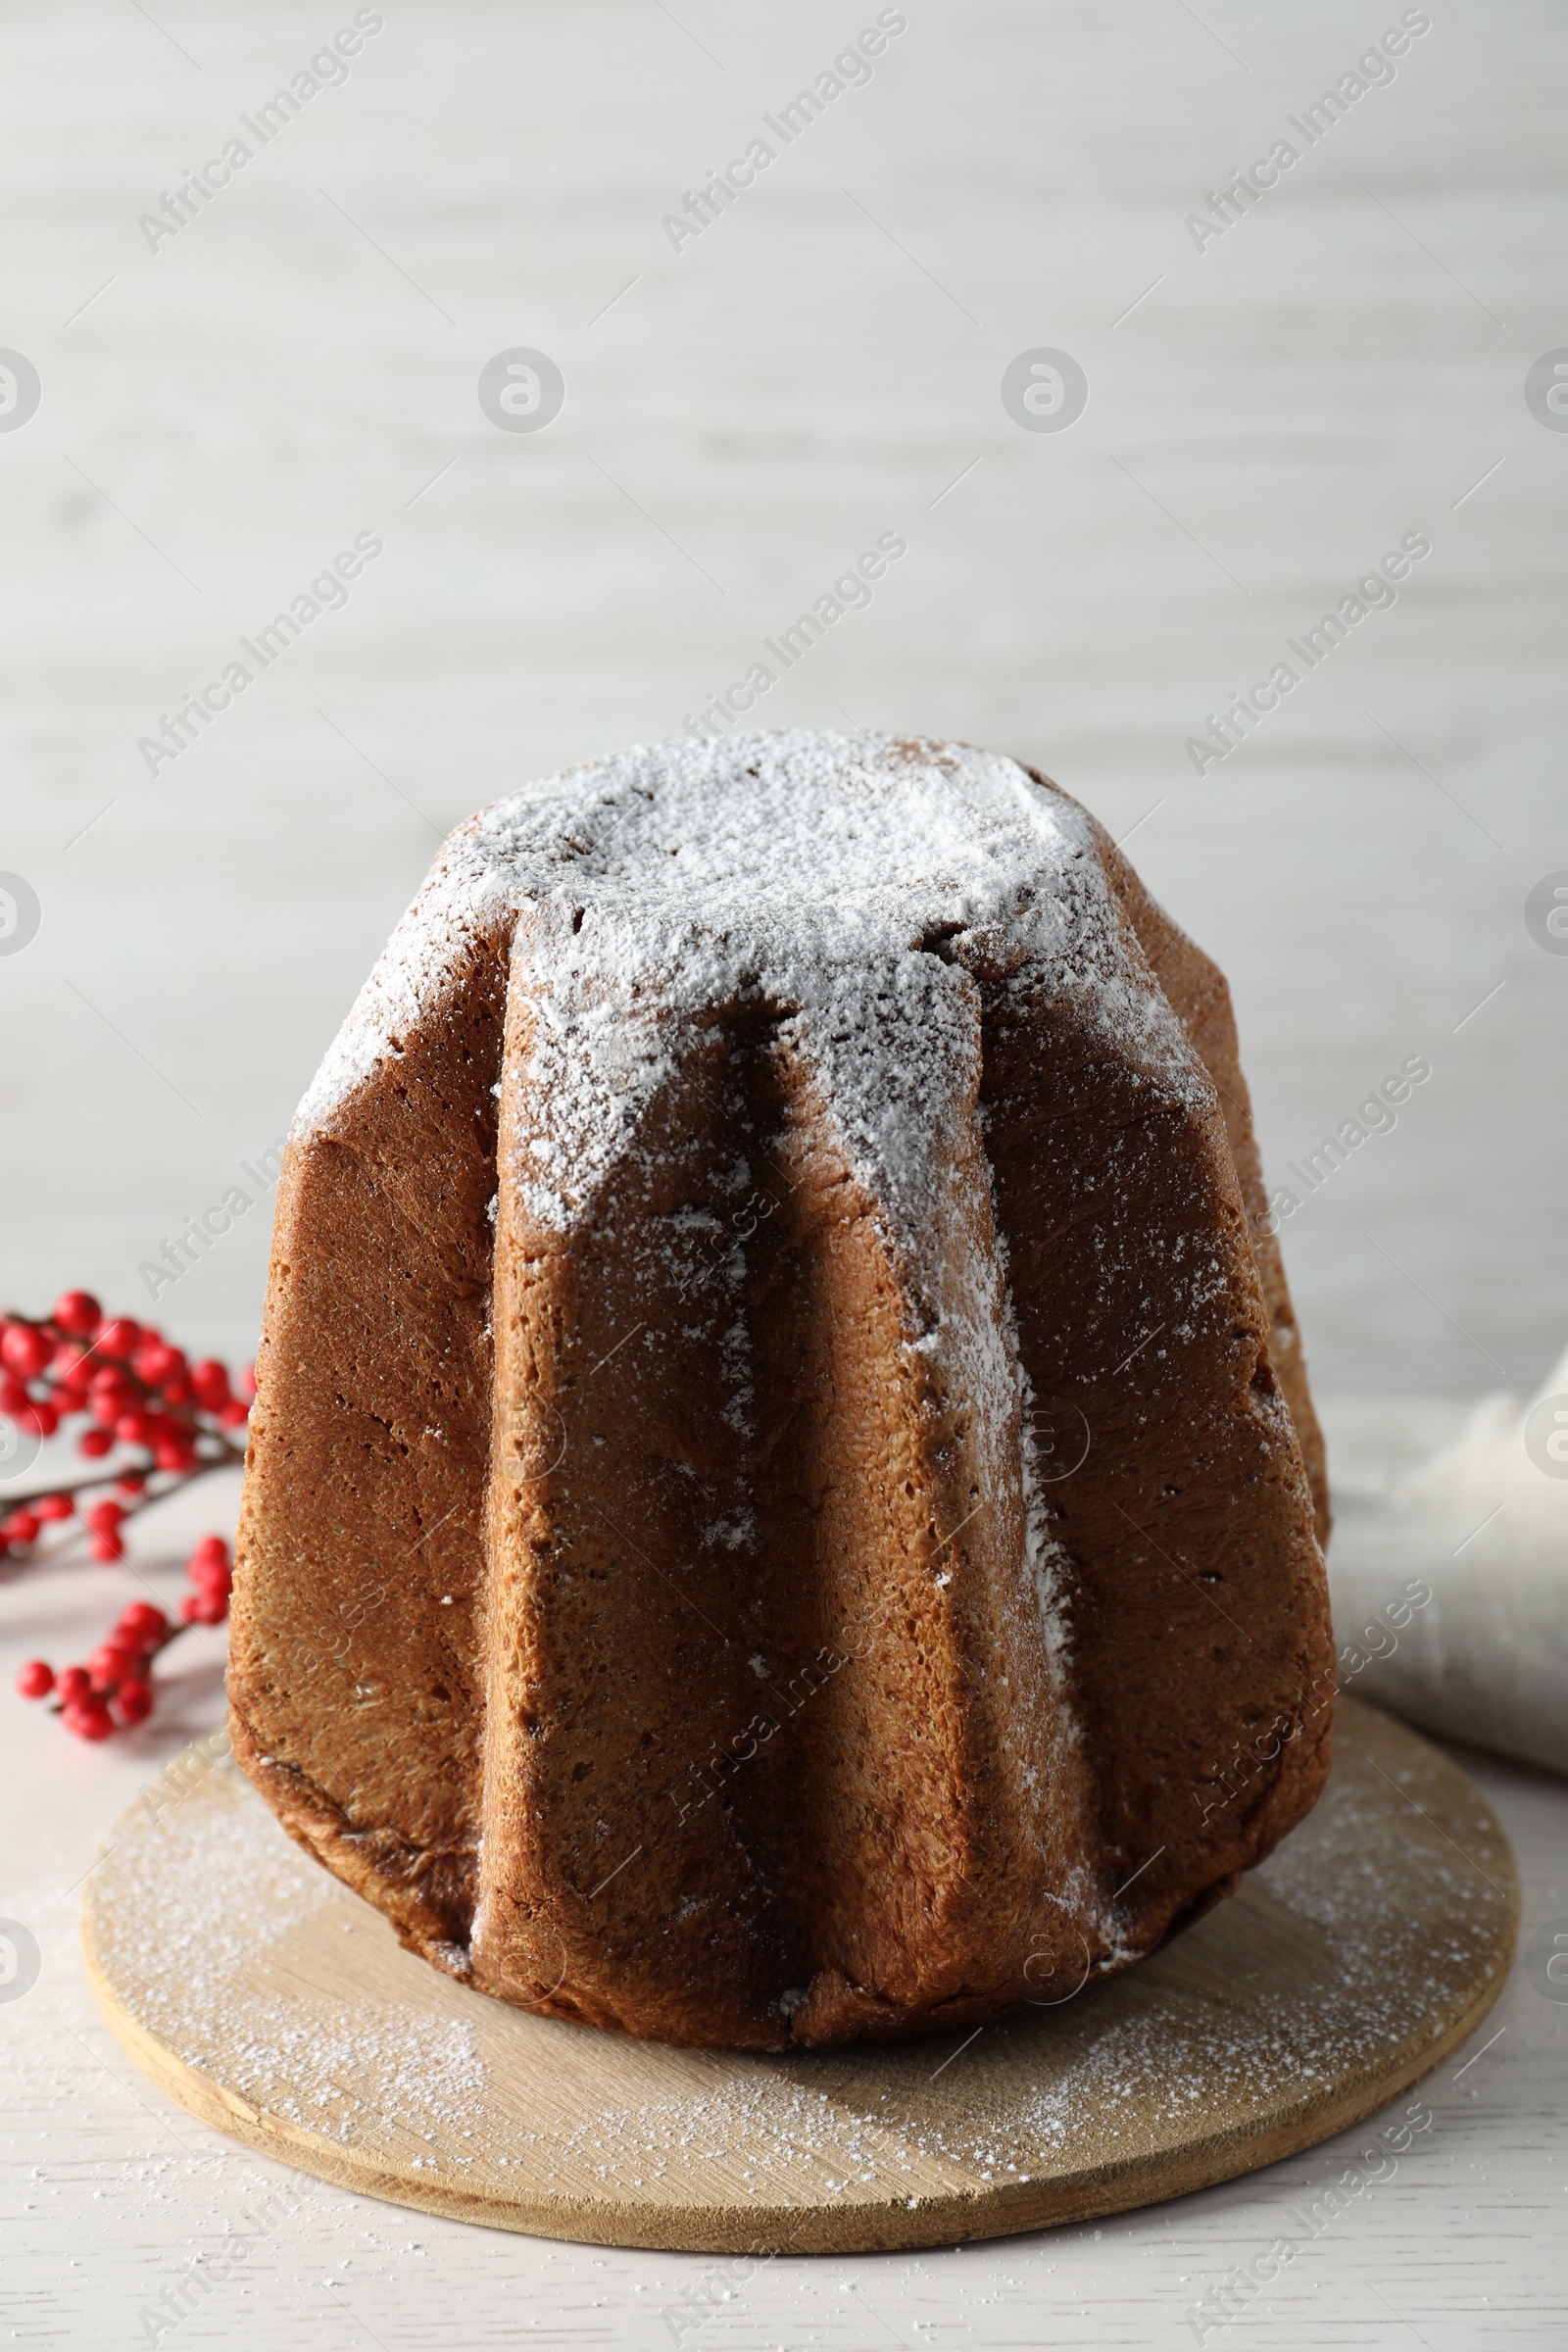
(783, 1482)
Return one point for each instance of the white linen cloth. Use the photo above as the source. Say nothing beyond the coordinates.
(1477, 1517)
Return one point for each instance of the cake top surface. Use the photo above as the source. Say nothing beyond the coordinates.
(769, 829)
(811, 871)
(780, 858)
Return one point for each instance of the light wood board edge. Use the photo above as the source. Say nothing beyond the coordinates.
(1227, 2150)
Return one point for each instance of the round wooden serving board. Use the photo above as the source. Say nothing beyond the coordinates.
(259, 1992)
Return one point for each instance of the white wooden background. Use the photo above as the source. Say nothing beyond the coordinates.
(298, 365)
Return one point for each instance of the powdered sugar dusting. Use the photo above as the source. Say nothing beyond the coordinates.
(809, 868)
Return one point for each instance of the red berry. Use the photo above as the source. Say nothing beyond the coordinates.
(14, 1397)
(44, 1415)
(133, 1701)
(235, 1415)
(74, 1682)
(143, 1624)
(90, 1719)
(36, 1680)
(79, 1312)
(21, 1528)
(95, 1443)
(210, 1547)
(134, 1428)
(109, 1664)
(204, 1608)
(105, 1517)
(25, 1350)
(155, 1361)
(54, 1507)
(117, 1337)
(177, 1391)
(211, 1576)
(210, 1381)
(105, 1548)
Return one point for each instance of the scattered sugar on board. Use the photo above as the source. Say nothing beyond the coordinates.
(179, 1936)
(199, 1967)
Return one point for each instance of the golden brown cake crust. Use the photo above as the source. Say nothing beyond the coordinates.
(658, 1587)
(1201, 998)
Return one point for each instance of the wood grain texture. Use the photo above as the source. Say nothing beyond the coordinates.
(277, 2006)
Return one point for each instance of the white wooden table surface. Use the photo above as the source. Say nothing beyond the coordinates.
(219, 416)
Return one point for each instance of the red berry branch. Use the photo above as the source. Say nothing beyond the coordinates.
(135, 1390)
(120, 1670)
